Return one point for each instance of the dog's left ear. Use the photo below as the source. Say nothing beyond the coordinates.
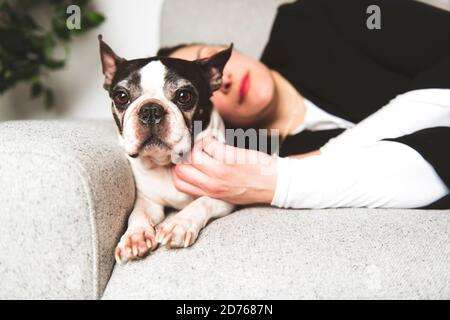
(214, 65)
(110, 61)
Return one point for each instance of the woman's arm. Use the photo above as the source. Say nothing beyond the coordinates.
(381, 174)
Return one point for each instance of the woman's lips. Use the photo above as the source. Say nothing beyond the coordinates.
(245, 85)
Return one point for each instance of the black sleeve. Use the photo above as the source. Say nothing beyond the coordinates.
(324, 48)
(433, 145)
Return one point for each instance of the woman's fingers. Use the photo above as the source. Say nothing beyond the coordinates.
(199, 158)
(218, 150)
(205, 163)
(186, 187)
(192, 175)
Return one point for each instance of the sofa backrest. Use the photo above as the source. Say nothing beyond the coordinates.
(247, 23)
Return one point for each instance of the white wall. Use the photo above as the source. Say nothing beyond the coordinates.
(132, 30)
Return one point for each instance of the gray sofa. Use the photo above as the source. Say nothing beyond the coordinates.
(66, 189)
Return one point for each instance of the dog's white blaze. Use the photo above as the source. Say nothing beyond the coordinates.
(152, 84)
(152, 79)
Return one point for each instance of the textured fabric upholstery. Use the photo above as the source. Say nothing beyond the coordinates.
(245, 23)
(66, 189)
(266, 253)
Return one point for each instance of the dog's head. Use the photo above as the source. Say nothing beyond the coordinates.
(156, 100)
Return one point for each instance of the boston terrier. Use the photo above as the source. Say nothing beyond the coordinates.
(157, 103)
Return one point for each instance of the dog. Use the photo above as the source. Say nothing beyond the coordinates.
(156, 104)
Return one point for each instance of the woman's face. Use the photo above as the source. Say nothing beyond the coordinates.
(247, 87)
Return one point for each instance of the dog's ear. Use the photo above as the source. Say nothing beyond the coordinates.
(214, 65)
(110, 61)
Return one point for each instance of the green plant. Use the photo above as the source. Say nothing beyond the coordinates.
(28, 50)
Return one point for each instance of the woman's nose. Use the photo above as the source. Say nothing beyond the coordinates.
(226, 83)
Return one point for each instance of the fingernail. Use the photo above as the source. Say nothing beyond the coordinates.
(166, 239)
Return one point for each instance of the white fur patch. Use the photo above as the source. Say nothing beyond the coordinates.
(152, 79)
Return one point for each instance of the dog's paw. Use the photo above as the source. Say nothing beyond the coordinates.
(177, 232)
(135, 244)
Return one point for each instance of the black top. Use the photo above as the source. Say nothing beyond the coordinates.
(326, 51)
(432, 144)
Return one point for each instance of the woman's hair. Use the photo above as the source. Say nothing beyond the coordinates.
(167, 51)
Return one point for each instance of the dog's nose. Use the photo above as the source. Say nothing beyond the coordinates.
(151, 114)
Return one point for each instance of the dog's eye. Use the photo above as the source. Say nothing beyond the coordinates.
(121, 97)
(185, 98)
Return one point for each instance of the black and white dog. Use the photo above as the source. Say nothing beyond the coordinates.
(155, 103)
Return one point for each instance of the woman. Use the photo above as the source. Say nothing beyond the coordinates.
(364, 114)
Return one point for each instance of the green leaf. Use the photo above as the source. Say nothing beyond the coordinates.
(60, 28)
(49, 45)
(54, 64)
(94, 18)
(49, 99)
(25, 71)
(36, 89)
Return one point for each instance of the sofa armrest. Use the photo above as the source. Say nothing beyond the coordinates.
(66, 191)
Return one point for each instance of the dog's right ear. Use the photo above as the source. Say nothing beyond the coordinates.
(110, 61)
(214, 66)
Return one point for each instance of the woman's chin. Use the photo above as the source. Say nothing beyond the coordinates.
(241, 121)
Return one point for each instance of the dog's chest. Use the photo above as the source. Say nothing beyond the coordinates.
(156, 185)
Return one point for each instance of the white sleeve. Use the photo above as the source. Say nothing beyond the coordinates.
(383, 174)
(407, 113)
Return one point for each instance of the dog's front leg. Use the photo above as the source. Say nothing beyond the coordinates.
(183, 228)
(139, 239)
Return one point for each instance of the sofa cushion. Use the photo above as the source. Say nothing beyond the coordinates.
(267, 253)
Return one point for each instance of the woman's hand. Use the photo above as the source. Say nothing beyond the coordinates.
(224, 172)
